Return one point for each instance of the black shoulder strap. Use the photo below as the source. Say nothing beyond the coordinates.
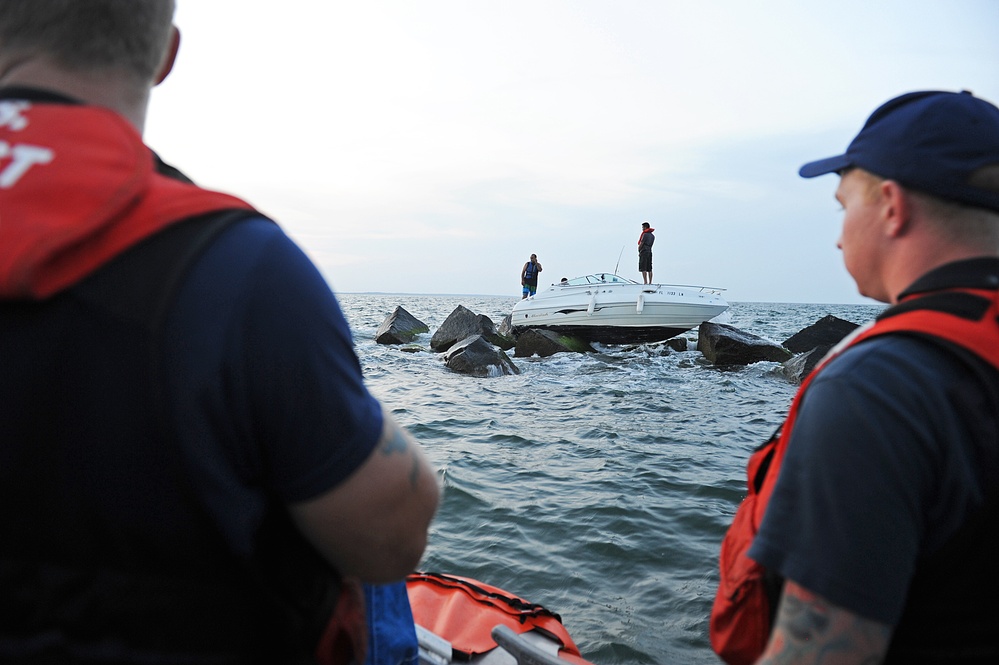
(141, 284)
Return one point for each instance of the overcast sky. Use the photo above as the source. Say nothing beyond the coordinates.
(428, 146)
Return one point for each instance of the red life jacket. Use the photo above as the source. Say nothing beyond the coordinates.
(642, 244)
(745, 602)
(77, 188)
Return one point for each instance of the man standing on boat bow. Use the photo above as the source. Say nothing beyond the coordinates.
(529, 276)
(645, 242)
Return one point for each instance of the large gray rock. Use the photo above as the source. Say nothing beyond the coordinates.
(505, 327)
(400, 327)
(476, 356)
(544, 343)
(723, 344)
(463, 323)
(826, 332)
(801, 365)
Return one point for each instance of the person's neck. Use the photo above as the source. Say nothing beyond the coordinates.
(917, 261)
(108, 89)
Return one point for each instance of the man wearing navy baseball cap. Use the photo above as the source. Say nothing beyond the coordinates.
(877, 519)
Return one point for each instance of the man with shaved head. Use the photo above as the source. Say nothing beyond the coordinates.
(190, 463)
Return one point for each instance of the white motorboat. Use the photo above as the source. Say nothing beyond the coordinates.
(610, 309)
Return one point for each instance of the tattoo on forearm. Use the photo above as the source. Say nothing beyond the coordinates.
(809, 629)
(805, 620)
(394, 442)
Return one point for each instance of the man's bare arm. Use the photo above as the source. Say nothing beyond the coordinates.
(811, 630)
(374, 524)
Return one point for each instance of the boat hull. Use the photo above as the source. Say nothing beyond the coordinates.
(618, 313)
(613, 334)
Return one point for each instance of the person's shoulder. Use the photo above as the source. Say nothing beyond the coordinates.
(255, 241)
(254, 261)
(257, 226)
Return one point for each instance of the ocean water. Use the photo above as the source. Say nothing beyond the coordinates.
(598, 485)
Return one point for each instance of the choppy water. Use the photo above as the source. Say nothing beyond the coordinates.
(598, 485)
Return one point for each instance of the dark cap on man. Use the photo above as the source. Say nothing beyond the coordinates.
(930, 141)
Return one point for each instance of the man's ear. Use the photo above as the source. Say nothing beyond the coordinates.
(169, 57)
(896, 208)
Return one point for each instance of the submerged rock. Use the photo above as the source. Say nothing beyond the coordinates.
(723, 344)
(544, 343)
(476, 356)
(678, 343)
(412, 348)
(400, 327)
(800, 366)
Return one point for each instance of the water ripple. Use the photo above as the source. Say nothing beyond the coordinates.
(598, 485)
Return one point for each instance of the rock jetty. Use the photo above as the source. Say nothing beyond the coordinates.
(472, 344)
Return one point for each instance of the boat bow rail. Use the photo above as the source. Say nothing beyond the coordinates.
(608, 308)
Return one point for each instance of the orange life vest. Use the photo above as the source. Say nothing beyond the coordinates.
(745, 602)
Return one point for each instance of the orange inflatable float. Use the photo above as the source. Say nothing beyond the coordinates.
(463, 619)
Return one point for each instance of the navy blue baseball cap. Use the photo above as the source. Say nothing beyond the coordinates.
(929, 141)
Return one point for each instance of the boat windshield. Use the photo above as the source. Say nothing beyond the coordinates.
(599, 278)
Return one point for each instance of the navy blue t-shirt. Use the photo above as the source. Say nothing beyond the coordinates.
(886, 461)
(269, 399)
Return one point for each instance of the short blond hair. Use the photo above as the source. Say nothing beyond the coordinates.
(960, 223)
(954, 222)
(128, 35)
